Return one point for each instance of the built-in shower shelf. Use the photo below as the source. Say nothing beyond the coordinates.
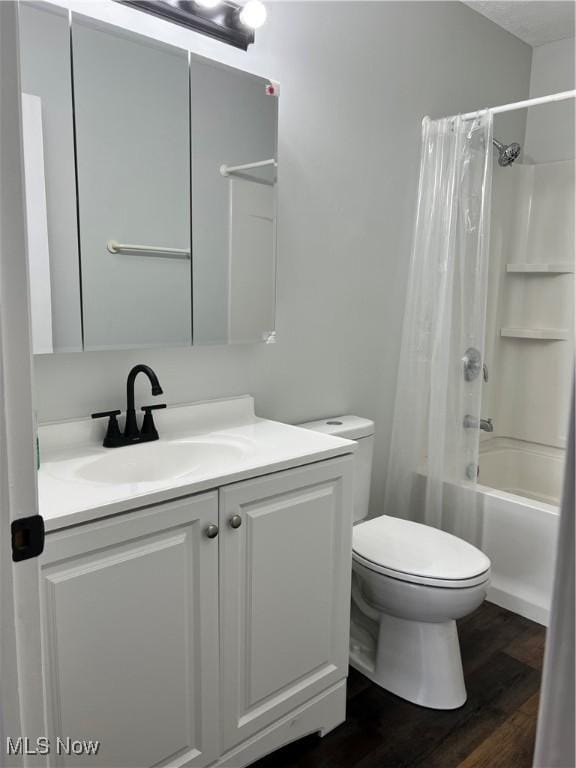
(543, 269)
(544, 334)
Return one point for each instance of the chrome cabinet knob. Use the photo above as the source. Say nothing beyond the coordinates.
(211, 531)
(235, 521)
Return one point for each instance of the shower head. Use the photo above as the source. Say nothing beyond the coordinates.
(507, 153)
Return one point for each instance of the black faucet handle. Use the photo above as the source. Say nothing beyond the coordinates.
(103, 414)
(149, 430)
(113, 437)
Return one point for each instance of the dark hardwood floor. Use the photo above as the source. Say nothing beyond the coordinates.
(502, 655)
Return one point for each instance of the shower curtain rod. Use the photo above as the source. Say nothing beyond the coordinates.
(562, 96)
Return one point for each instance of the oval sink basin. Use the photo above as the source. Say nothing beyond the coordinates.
(156, 462)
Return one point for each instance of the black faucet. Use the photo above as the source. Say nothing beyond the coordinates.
(132, 433)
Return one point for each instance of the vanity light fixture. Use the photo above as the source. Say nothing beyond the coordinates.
(226, 20)
(253, 14)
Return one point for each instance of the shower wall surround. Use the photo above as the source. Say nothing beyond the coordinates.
(532, 229)
(349, 142)
(530, 319)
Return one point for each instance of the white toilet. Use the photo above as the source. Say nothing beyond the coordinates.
(410, 582)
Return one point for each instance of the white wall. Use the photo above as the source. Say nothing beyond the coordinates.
(550, 128)
(356, 80)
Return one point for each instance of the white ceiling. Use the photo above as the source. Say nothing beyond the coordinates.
(534, 21)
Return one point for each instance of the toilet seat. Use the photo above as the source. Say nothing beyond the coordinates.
(418, 554)
(412, 578)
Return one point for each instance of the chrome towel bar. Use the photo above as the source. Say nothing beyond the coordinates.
(226, 170)
(150, 250)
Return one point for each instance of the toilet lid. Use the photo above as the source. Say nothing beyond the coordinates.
(411, 548)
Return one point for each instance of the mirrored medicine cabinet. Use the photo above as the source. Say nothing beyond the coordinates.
(150, 178)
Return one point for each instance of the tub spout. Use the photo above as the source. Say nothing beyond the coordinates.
(484, 424)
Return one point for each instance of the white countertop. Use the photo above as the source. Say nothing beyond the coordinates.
(231, 442)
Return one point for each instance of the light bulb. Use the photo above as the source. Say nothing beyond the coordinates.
(208, 4)
(253, 14)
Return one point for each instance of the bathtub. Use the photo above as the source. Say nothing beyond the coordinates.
(519, 489)
(523, 469)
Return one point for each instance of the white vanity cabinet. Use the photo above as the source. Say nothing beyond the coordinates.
(175, 648)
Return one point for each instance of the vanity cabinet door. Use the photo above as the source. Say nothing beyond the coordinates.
(130, 628)
(284, 592)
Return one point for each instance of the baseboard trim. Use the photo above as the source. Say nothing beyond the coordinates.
(519, 606)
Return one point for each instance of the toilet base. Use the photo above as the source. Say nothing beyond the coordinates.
(418, 661)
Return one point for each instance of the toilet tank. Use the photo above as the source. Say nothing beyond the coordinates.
(361, 430)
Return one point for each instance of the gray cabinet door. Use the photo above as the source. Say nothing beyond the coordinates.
(132, 142)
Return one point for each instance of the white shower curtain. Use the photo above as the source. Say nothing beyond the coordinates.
(433, 462)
